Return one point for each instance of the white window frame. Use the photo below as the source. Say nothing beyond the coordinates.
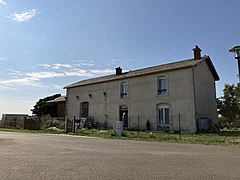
(163, 109)
(162, 89)
(124, 90)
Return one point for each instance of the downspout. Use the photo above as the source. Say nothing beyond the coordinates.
(194, 96)
(106, 108)
(66, 111)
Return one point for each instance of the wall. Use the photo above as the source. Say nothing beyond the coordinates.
(9, 117)
(142, 100)
(20, 122)
(205, 92)
(61, 106)
(181, 100)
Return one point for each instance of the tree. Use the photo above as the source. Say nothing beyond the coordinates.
(43, 107)
(229, 104)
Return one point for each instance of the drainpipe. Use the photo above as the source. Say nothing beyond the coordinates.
(105, 94)
(194, 96)
(66, 111)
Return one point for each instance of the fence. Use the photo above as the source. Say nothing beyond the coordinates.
(26, 123)
(30, 123)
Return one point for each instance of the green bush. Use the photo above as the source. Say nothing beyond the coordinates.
(47, 121)
(54, 123)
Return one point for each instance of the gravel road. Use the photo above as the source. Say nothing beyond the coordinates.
(42, 156)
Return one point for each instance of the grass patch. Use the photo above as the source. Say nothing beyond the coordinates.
(224, 138)
(95, 133)
(31, 131)
(221, 138)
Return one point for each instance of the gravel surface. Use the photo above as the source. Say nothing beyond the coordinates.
(42, 156)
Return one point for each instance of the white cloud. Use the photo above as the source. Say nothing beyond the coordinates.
(32, 79)
(3, 59)
(5, 87)
(86, 64)
(89, 73)
(57, 66)
(3, 2)
(43, 75)
(15, 72)
(55, 86)
(79, 73)
(82, 63)
(45, 65)
(15, 83)
(117, 61)
(24, 15)
(19, 79)
(103, 71)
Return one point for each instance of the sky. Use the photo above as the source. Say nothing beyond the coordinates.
(48, 44)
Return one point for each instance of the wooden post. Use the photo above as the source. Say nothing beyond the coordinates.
(138, 126)
(24, 123)
(74, 118)
(179, 124)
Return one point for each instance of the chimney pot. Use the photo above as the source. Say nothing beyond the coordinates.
(197, 53)
(118, 71)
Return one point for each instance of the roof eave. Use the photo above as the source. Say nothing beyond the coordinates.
(123, 77)
(212, 69)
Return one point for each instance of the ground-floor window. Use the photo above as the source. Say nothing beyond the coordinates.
(163, 115)
(84, 108)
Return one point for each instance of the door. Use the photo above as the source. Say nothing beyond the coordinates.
(123, 115)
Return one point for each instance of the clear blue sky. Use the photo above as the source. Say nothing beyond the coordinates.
(45, 45)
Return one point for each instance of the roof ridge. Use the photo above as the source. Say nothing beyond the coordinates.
(143, 71)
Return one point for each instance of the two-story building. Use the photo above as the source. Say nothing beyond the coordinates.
(167, 96)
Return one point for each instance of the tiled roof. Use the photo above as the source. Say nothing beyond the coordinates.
(150, 70)
(59, 99)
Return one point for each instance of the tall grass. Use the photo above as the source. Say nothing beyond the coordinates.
(224, 138)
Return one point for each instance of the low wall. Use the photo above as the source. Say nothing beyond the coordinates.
(26, 123)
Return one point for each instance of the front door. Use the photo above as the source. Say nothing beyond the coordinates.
(123, 115)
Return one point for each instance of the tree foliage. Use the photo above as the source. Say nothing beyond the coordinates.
(229, 104)
(43, 107)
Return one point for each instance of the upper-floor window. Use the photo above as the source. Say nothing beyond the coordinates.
(123, 90)
(162, 85)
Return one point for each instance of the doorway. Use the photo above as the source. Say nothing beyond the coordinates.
(123, 115)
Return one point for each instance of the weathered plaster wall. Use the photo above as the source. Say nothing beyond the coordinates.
(142, 100)
(205, 92)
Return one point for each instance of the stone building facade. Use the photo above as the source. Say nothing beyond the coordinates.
(163, 95)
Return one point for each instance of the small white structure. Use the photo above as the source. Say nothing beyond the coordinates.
(119, 128)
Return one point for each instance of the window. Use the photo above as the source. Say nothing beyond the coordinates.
(162, 85)
(163, 115)
(84, 109)
(123, 90)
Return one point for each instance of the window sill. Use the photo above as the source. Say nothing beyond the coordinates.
(162, 95)
(124, 98)
(164, 126)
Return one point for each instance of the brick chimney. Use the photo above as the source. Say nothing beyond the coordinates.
(197, 53)
(118, 71)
